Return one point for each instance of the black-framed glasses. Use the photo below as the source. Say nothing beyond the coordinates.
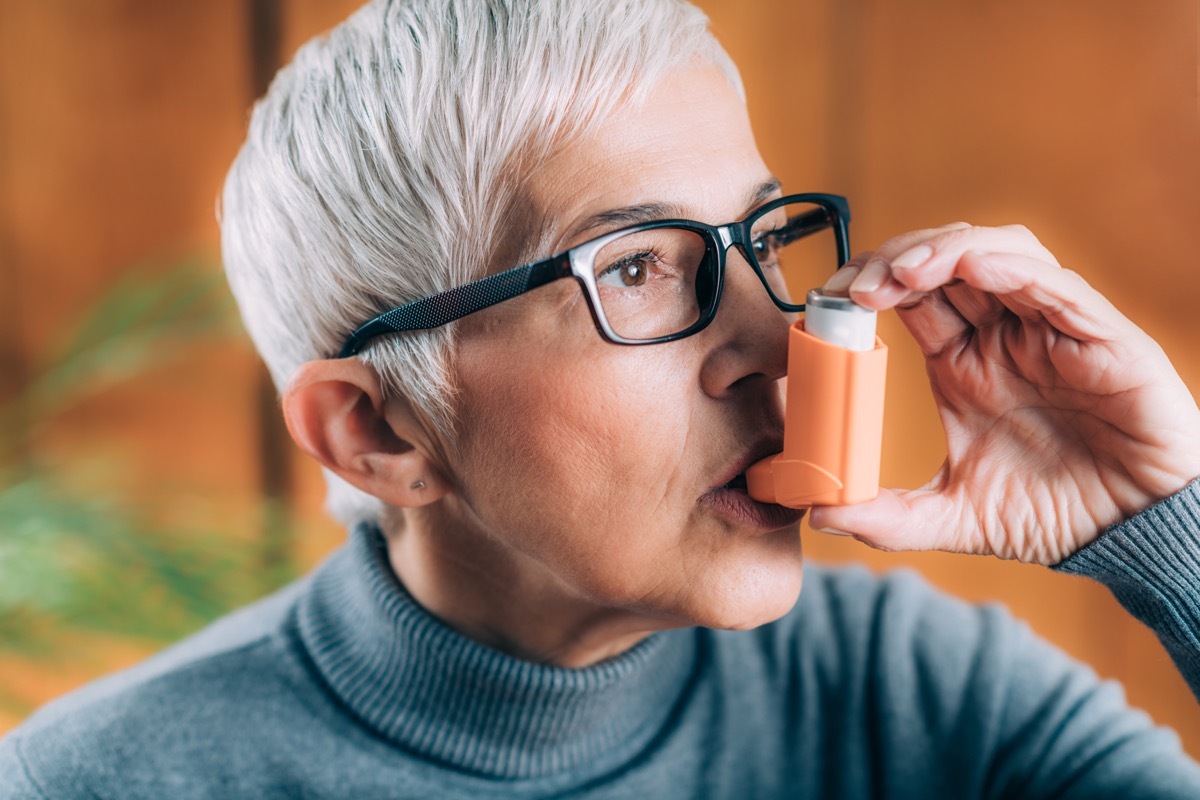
(657, 281)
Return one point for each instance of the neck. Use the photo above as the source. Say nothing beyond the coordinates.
(505, 599)
(410, 679)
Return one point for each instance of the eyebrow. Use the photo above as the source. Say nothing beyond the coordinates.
(648, 212)
(763, 192)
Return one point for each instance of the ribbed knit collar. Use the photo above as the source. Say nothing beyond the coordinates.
(423, 686)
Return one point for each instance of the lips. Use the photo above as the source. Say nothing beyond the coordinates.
(730, 499)
(736, 477)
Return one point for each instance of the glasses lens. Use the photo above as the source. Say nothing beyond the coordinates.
(796, 248)
(647, 281)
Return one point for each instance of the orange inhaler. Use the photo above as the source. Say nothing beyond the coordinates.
(833, 427)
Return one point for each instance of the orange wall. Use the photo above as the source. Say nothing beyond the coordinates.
(1079, 118)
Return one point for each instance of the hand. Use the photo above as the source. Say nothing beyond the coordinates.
(1061, 416)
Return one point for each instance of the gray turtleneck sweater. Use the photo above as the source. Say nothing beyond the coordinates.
(341, 686)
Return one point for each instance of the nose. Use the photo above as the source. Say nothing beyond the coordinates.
(747, 340)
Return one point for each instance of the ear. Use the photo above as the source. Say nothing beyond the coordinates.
(336, 413)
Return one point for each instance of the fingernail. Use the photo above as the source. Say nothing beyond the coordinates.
(913, 257)
(872, 277)
(839, 284)
(833, 531)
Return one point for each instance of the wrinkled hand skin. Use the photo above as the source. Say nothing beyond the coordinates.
(1062, 417)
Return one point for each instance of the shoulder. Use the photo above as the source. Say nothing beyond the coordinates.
(910, 679)
(172, 715)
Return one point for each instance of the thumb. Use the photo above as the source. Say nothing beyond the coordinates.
(918, 519)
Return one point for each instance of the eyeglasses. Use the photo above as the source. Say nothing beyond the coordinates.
(657, 281)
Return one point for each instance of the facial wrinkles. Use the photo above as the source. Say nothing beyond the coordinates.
(590, 458)
(596, 447)
(665, 494)
(672, 165)
(675, 548)
(698, 446)
(695, 172)
(642, 418)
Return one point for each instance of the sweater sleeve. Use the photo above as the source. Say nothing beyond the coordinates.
(1151, 563)
(15, 780)
(964, 701)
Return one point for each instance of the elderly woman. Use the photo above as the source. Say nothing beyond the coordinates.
(516, 267)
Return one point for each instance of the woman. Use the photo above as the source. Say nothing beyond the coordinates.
(551, 553)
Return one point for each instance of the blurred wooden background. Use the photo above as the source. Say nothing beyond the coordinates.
(1078, 118)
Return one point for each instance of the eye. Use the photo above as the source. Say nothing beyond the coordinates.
(629, 272)
(765, 246)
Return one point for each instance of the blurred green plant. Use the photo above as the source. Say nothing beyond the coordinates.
(75, 557)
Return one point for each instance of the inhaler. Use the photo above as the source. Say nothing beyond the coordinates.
(833, 427)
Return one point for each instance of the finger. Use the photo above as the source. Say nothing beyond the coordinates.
(875, 288)
(934, 323)
(858, 259)
(906, 241)
(1008, 262)
(1018, 307)
(934, 262)
(889, 278)
(978, 308)
(1031, 289)
(839, 283)
(920, 519)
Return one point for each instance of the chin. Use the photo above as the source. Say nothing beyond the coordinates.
(749, 615)
(743, 597)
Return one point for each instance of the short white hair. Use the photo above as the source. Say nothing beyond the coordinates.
(386, 163)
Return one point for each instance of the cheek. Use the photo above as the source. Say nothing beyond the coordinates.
(573, 460)
(590, 463)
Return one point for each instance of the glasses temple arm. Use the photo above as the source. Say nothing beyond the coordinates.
(452, 304)
(808, 223)
(815, 221)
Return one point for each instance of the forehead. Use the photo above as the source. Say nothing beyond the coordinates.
(686, 147)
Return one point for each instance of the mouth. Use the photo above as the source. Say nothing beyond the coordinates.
(735, 477)
(731, 499)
